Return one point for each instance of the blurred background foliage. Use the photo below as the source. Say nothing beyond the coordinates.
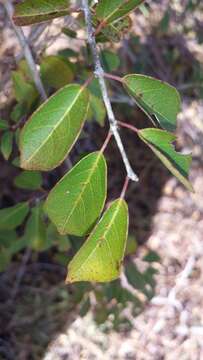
(163, 39)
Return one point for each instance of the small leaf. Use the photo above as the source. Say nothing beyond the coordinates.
(159, 142)
(54, 127)
(31, 180)
(97, 109)
(55, 72)
(25, 92)
(35, 231)
(6, 144)
(110, 60)
(143, 281)
(3, 124)
(78, 198)
(115, 31)
(70, 33)
(109, 11)
(154, 97)
(13, 216)
(100, 257)
(131, 245)
(36, 11)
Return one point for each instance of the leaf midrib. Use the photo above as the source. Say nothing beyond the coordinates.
(82, 191)
(103, 237)
(55, 127)
(105, 19)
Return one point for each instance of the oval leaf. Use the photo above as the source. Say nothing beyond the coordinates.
(36, 11)
(160, 143)
(154, 97)
(100, 258)
(54, 127)
(109, 11)
(77, 200)
(13, 216)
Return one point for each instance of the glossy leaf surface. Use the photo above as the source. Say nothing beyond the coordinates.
(13, 216)
(100, 257)
(36, 11)
(78, 198)
(54, 127)
(155, 98)
(160, 142)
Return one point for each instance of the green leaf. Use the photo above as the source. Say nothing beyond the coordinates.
(35, 11)
(100, 257)
(7, 237)
(78, 198)
(109, 11)
(55, 72)
(70, 33)
(54, 127)
(115, 31)
(154, 97)
(131, 245)
(31, 180)
(13, 216)
(110, 60)
(160, 142)
(143, 281)
(19, 110)
(97, 109)
(3, 124)
(25, 92)
(35, 231)
(7, 144)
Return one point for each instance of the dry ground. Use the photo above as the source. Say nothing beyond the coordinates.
(171, 327)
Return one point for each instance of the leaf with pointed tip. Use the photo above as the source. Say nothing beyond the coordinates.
(100, 257)
(109, 11)
(159, 142)
(7, 144)
(52, 130)
(35, 11)
(13, 216)
(78, 198)
(154, 97)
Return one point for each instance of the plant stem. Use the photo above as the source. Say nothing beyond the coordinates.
(99, 73)
(128, 126)
(27, 52)
(125, 186)
(108, 138)
(113, 77)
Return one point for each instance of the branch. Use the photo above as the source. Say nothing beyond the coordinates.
(99, 73)
(27, 52)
